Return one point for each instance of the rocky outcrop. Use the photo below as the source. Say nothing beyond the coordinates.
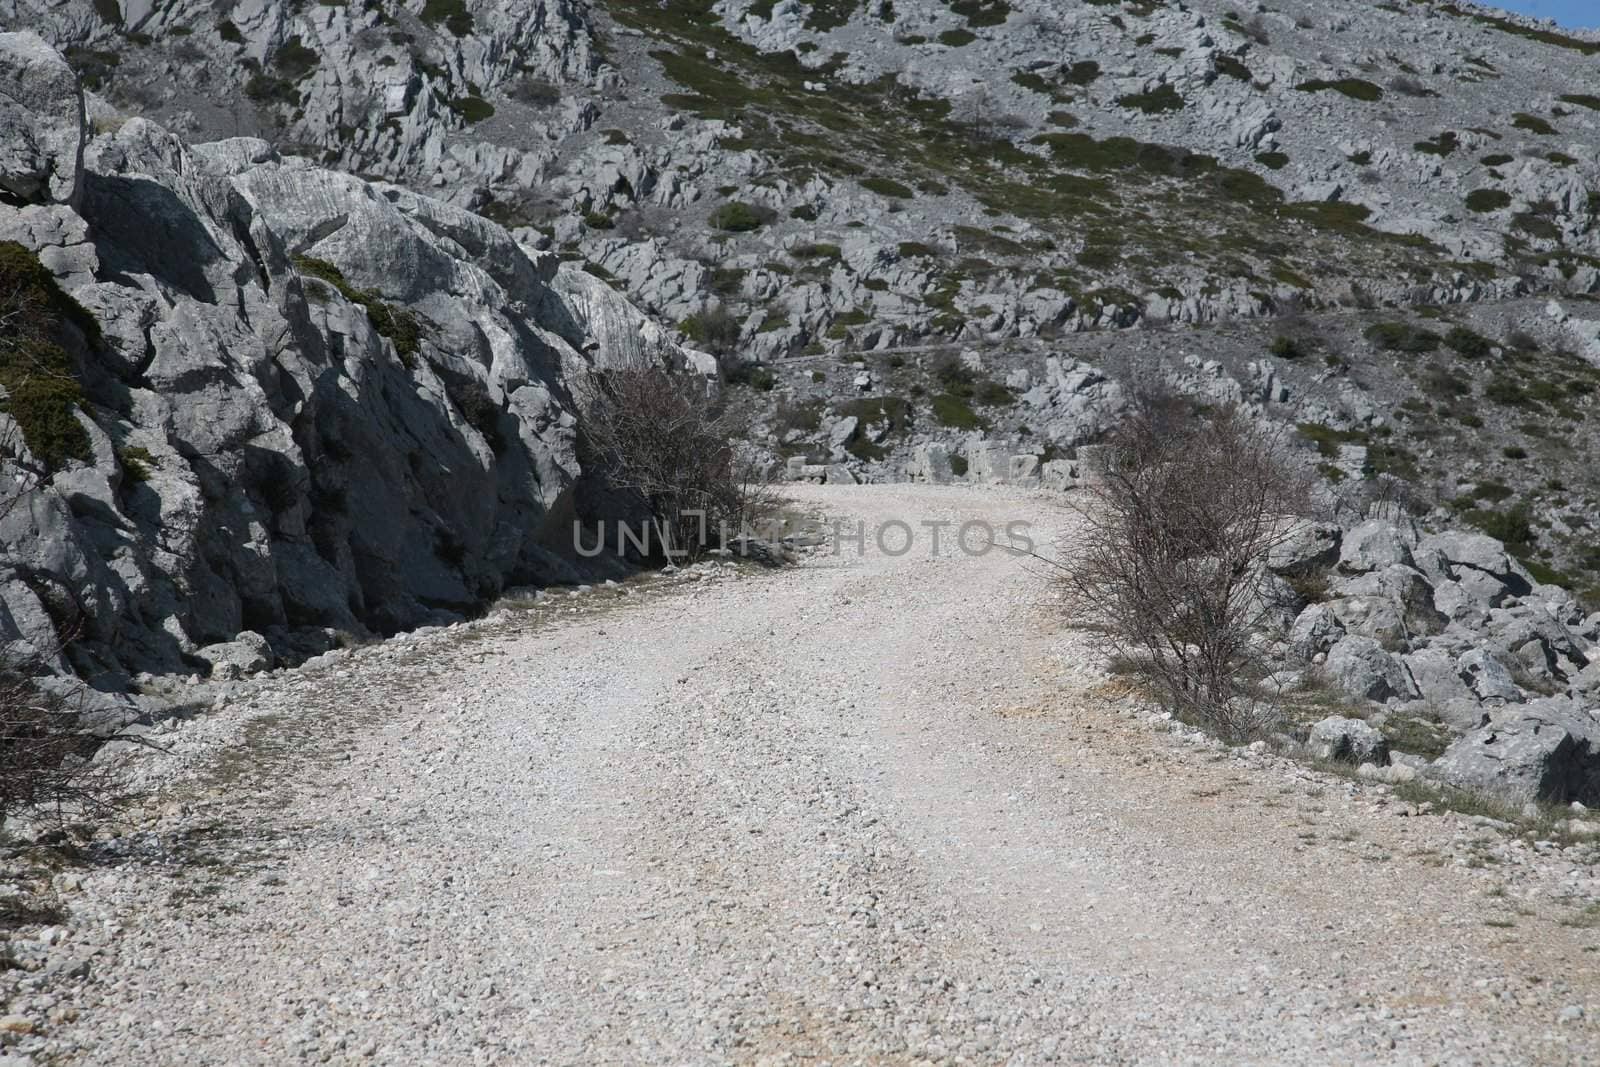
(312, 403)
(1449, 627)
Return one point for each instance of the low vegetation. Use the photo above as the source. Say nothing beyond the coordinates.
(670, 442)
(1178, 531)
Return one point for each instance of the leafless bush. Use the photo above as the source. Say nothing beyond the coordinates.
(665, 437)
(1172, 566)
(45, 748)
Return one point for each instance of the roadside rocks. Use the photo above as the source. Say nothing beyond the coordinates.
(1348, 741)
(1449, 627)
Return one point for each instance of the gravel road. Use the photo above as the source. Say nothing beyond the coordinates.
(871, 809)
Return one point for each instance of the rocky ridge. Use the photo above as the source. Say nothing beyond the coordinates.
(923, 169)
(304, 407)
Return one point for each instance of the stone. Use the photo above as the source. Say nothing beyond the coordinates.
(1306, 547)
(1315, 630)
(1487, 678)
(247, 653)
(1374, 545)
(1524, 756)
(1349, 741)
(1362, 668)
(41, 123)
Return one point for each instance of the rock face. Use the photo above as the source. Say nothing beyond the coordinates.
(41, 124)
(312, 403)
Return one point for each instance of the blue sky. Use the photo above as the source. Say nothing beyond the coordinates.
(1567, 12)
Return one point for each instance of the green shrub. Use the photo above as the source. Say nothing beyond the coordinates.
(737, 216)
(1286, 347)
(992, 394)
(1442, 145)
(265, 89)
(42, 392)
(1536, 226)
(1154, 102)
(1582, 100)
(1468, 342)
(136, 463)
(472, 109)
(1533, 124)
(397, 324)
(451, 14)
(1487, 200)
(294, 60)
(1514, 528)
(957, 38)
(953, 411)
(1496, 159)
(1401, 337)
(959, 466)
(715, 329)
(1354, 88)
(229, 32)
(888, 187)
(916, 250)
(43, 397)
(1514, 452)
(752, 375)
(1083, 72)
(1272, 160)
(816, 250)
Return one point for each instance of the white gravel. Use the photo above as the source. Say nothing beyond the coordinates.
(866, 810)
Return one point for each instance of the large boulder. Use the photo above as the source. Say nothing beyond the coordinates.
(1375, 545)
(1349, 741)
(1360, 667)
(1316, 629)
(41, 123)
(1544, 750)
(245, 654)
(1472, 570)
(1305, 547)
(1437, 676)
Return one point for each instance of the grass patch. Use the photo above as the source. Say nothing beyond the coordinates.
(397, 324)
(1484, 201)
(1354, 88)
(1401, 337)
(739, 217)
(954, 411)
(1155, 102)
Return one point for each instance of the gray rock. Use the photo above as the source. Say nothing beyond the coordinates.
(1307, 547)
(1348, 740)
(245, 654)
(1316, 629)
(1374, 545)
(1488, 679)
(1437, 676)
(41, 122)
(1544, 751)
(1360, 667)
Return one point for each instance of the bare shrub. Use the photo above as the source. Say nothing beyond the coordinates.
(1172, 565)
(45, 746)
(666, 438)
